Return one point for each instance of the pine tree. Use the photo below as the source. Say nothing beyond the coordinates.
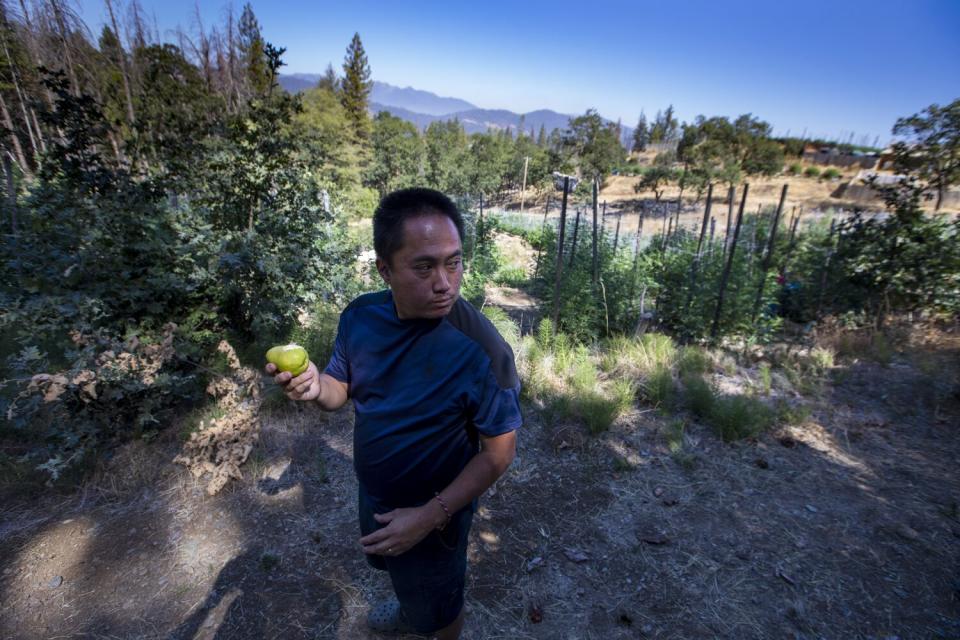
(355, 88)
(252, 54)
(542, 137)
(641, 135)
(329, 80)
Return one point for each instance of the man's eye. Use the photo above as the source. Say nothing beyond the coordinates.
(454, 264)
(422, 268)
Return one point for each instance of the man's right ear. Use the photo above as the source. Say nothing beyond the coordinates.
(384, 270)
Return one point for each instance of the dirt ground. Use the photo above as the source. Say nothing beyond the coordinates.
(845, 527)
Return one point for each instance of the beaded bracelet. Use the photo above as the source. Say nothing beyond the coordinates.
(443, 504)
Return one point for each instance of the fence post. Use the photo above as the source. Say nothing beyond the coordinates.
(726, 270)
(616, 235)
(556, 286)
(731, 193)
(695, 264)
(826, 267)
(543, 229)
(636, 253)
(676, 226)
(573, 247)
(596, 264)
(768, 257)
(713, 228)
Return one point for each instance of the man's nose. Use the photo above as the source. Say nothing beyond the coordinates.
(441, 284)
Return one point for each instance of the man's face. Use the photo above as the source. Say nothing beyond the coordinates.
(425, 273)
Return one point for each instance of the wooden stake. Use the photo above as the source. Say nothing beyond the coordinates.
(768, 257)
(556, 286)
(726, 270)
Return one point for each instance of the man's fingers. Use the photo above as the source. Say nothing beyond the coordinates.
(383, 518)
(377, 536)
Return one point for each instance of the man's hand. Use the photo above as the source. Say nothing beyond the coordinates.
(405, 528)
(305, 386)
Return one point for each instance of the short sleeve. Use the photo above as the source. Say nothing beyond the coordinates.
(339, 366)
(497, 409)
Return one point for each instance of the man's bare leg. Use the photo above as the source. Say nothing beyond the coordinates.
(452, 630)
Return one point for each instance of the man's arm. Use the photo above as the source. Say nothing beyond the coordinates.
(330, 393)
(407, 527)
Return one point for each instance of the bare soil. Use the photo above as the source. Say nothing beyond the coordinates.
(844, 527)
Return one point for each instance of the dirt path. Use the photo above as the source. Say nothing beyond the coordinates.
(845, 527)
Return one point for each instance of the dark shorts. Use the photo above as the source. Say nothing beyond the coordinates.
(429, 578)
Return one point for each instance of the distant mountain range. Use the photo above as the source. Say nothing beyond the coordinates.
(423, 107)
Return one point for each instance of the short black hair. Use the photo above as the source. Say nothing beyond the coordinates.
(402, 205)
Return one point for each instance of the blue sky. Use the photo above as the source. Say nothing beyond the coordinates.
(830, 68)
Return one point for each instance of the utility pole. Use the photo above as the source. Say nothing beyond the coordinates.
(523, 190)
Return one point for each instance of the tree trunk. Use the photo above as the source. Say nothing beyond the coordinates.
(123, 66)
(17, 149)
(11, 193)
(20, 98)
(68, 58)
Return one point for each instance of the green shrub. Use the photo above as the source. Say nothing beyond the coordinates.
(735, 417)
(795, 169)
(699, 395)
(792, 414)
(766, 379)
(658, 388)
(832, 173)
(812, 172)
(693, 360)
(511, 276)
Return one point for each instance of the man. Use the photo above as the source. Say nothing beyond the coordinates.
(436, 396)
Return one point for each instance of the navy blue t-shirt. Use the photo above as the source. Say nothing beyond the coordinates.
(423, 389)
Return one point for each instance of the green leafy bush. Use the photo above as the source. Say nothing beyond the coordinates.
(832, 173)
(812, 172)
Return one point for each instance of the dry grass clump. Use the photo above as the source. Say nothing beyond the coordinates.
(562, 378)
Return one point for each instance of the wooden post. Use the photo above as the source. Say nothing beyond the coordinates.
(793, 235)
(768, 257)
(523, 189)
(713, 229)
(480, 221)
(573, 247)
(826, 268)
(695, 263)
(676, 226)
(616, 236)
(543, 229)
(636, 253)
(556, 286)
(731, 193)
(726, 270)
(596, 262)
(706, 217)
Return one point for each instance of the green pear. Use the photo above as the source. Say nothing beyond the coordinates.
(289, 357)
